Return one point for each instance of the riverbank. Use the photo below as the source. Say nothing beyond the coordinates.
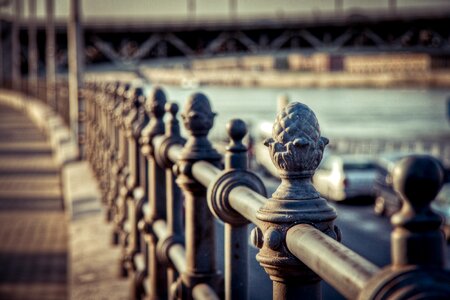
(279, 79)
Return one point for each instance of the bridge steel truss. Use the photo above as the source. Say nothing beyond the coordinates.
(130, 43)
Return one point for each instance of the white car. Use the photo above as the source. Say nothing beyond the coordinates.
(346, 176)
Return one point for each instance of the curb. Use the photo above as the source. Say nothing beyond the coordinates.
(92, 261)
(64, 146)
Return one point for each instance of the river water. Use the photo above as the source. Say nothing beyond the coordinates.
(349, 113)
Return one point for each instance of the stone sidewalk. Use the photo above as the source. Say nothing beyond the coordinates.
(41, 171)
(33, 231)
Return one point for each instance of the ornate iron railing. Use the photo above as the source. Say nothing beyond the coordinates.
(162, 193)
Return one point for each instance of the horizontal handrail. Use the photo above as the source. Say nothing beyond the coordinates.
(345, 270)
(177, 255)
(247, 202)
(204, 172)
(203, 291)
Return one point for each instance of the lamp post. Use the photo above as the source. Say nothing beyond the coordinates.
(76, 58)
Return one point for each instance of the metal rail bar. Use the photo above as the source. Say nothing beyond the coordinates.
(339, 266)
(205, 172)
(160, 228)
(203, 291)
(175, 152)
(242, 199)
(246, 202)
(177, 255)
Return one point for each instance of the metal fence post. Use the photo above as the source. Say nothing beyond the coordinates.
(174, 201)
(50, 52)
(110, 104)
(296, 149)
(236, 240)
(198, 119)
(121, 215)
(16, 74)
(101, 130)
(156, 191)
(91, 121)
(131, 103)
(418, 245)
(136, 121)
(76, 70)
(119, 168)
(33, 56)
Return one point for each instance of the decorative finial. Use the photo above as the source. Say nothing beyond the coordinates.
(112, 87)
(155, 103)
(236, 130)
(172, 108)
(296, 145)
(418, 248)
(197, 115)
(417, 179)
(122, 89)
(172, 127)
(296, 149)
(138, 97)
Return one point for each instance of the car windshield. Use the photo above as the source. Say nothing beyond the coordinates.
(359, 166)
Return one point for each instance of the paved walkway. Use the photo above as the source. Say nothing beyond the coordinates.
(33, 232)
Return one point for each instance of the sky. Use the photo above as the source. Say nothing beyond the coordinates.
(219, 8)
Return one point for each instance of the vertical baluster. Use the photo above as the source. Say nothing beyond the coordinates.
(50, 54)
(89, 119)
(198, 119)
(112, 158)
(235, 173)
(174, 204)
(141, 197)
(121, 200)
(120, 170)
(94, 131)
(236, 232)
(101, 138)
(16, 47)
(156, 191)
(137, 119)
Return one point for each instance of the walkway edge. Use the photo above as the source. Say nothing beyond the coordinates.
(92, 261)
(65, 149)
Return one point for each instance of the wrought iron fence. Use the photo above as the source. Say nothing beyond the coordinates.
(162, 193)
